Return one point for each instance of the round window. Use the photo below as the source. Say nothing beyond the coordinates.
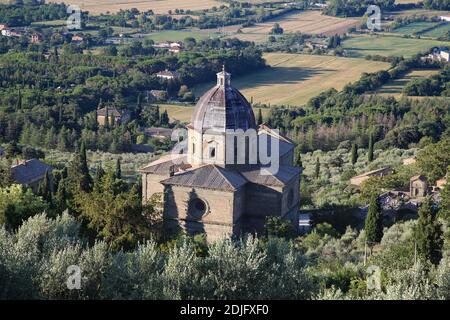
(197, 208)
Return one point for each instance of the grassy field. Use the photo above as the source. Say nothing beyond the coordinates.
(293, 78)
(158, 6)
(438, 32)
(395, 87)
(183, 113)
(361, 46)
(419, 12)
(414, 27)
(312, 22)
(179, 35)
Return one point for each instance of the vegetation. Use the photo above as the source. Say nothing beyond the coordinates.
(246, 269)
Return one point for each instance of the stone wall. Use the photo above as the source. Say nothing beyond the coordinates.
(223, 210)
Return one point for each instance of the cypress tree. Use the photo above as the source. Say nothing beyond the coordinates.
(370, 152)
(164, 118)
(428, 233)
(61, 196)
(298, 158)
(118, 171)
(354, 153)
(78, 171)
(374, 222)
(45, 189)
(260, 118)
(317, 169)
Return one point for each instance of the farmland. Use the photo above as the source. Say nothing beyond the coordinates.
(395, 87)
(415, 27)
(440, 31)
(312, 22)
(183, 113)
(158, 6)
(361, 46)
(293, 79)
(178, 35)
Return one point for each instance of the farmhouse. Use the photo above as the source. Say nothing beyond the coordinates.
(205, 190)
(168, 75)
(358, 180)
(159, 133)
(36, 38)
(113, 115)
(156, 95)
(77, 38)
(11, 33)
(409, 161)
(30, 173)
(445, 18)
(438, 54)
(440, 184)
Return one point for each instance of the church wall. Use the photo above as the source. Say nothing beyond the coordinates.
(216, 141)
(219, 218)
(290, 206)
(287, 203)
(151, 185)
(262, 201)
(194, 138)
(287, 159)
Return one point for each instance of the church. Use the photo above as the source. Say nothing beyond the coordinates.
(219, 184)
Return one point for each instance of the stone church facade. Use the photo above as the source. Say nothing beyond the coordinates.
(206, 189)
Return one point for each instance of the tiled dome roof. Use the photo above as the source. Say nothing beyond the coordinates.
(223, 107)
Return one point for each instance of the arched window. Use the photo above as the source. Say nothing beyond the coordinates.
(212, 152)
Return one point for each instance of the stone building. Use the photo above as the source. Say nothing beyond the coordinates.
(216, 186)
(418, 186)
(358, 180)
(113, 115)
(30, 173)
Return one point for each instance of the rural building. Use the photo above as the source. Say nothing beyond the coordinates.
(205, 190)
(3, 26)
(159, 133)
(174, 47)
(445, 18)
(112, 114)
(418, 186)
(11, 33)
(409, 161)
(30, 173)
(358, 180)
(156, 95)
(36, 38)
(77, 38)
(168, 75)
(445, 55)
(440, 184)
(438, 54)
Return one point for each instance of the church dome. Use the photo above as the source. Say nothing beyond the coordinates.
(223, 107)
